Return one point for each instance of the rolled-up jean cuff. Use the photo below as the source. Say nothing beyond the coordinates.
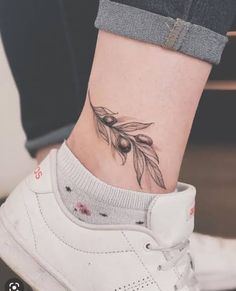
(51, 138)
(175, 34)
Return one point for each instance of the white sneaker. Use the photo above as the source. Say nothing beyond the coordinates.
(215, 262)
(52, 250)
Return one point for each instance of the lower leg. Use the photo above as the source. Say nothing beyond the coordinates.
(155, 93)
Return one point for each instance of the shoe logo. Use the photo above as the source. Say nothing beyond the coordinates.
(14, 285)
(191, 212)
(38, 173)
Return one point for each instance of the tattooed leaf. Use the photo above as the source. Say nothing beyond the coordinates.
(138, 160)
(119, 135)
(113, 149)
(132, 126)
(123, 157)
(148, 151)
(114, 138)
(101, 111)
(102, 131)
(155, 173)
(114, 144)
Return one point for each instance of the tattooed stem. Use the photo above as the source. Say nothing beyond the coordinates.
(123, 139)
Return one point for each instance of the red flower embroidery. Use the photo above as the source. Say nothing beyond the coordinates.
(83, 209)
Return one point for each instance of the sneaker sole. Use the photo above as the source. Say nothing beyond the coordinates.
(23, 264)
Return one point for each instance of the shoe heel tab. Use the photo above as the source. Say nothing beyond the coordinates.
(40, 180)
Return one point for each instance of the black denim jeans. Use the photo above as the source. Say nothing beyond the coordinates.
(192, 27)
(216, 15)
(50, 47)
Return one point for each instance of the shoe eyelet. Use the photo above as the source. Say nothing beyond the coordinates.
(147, 246)
(159, 268)
(176, 287)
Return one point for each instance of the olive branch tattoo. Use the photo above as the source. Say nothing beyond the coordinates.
(122, 139)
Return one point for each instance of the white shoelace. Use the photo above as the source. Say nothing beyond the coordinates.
(187, 277)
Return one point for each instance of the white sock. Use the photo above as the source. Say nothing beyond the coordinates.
(94, 201)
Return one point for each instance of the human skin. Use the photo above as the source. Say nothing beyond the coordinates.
(140, 83)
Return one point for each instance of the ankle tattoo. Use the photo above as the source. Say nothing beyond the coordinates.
(120, 136)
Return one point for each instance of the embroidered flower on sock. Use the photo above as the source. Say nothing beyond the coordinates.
(82, 209)
(139, 222)
(68, 189)
(103, 214)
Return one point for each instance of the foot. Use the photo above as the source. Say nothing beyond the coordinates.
(215, 262)
(52, 250)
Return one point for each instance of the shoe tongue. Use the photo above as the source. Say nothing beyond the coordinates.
(171, 216)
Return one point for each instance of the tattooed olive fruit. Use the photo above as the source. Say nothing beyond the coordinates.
(144, 139)
(124, 145)
(109, 120)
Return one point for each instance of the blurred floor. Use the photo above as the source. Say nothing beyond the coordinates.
(212, 169)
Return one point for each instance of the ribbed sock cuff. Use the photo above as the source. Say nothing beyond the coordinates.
(92, 186)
